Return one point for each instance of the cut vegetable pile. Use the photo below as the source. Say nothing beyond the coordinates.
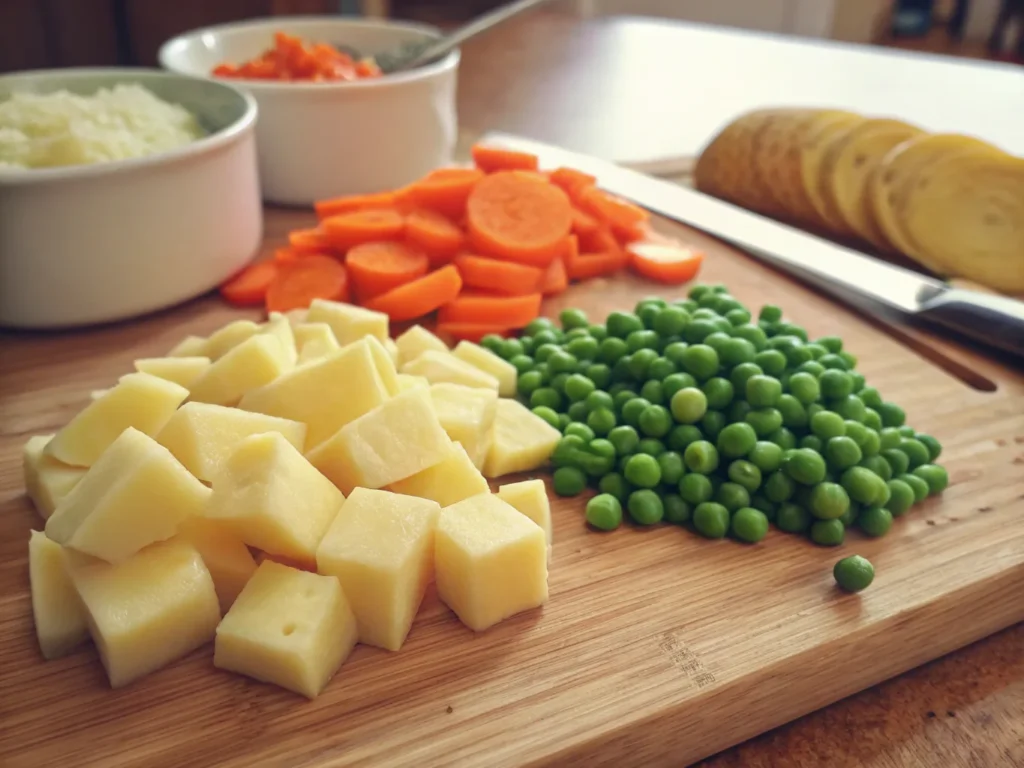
(480, 246)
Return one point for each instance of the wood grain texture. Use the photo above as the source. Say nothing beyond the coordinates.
(656, 648)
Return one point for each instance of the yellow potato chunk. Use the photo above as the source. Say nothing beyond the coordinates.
(277, 325)
(288, 627)
(467, 415)
(438, 367)
(324, 394)
(531, 498)
(190, 346)
(253, 363)
(136, 494)
(392, 348)
(47, 480)
(489, 363)
(314, 340)
(381, 549)
(202, 436)
(149, 610)
(385, 364)
(415, 341)
(393, 441)
(451, 480)
(138, 400)
(60, 618)
(227, 338)
(228, 560)
(521, 440)
(269, 496)
(180, 370)
(490, 561)
(407, 381)
(349, 323)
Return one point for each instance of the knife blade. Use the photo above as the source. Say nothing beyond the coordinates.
(853, 276)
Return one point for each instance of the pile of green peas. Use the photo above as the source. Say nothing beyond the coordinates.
(691, 412)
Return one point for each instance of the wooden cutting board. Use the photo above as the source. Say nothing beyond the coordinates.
(657, 647)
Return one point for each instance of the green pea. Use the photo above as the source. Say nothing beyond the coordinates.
(828, 533)
(835, 384)
(567, 451)
(573, 318)
(736, 440)
(578, 411)
(764, 455)
(737, 351)
(640, 361)
(849, 517)
(546, 396)
(856, 432)
(764, 420)
(675, 382)
(816, 350)
(612, 349)
(738, 411)
(655, 421)
(547, 414)
(882, 494)
(890, 438)
(653, 392)
(813, 367)
(746, 474)
(871, 419)
(850, 359)
(783, 438)
(701, 457)
(749, 525)
(779, 487)
(751, 333)
(700, 361)
(625, 439)
(580, 430)
(674, 352)
(645, 507)
(642, 471)
(850, 408)
(832, 343)
(695, 488)
(915, 451)
(718, 391)
(761, 503)
(647, 312)
(853, 573)
(537, 325)
(794, 415)
(826, 425)
(858, 381)
(711, 520)
(522, 363)
(578, 387)
(558, 382)
(861, 484)
(792, 518)
(898, 461)
(644, 339)
(621, 324)
(920, 488)
(682, 435)
(615, 484)
(604, 512)
(672, 467)
(878, 465)
(934, 446)
(660, 368)
(892, 415)
(770, 314)
(602, 420)
(738, 316)
(598, 399)
(583, 348)
(833, 361)
(804, 466)
(742, 373)
(656, 301)
(712, 423)
(492, 342)
(875, 521)
(677, 511)
(688, 405)
(812, 442)
(871, 444)
(829, 501)
(763, 391)
(670, 320)
(619, 399)
(901, 497)
(842, 452)
(528, 383)
(936, 477)
(544, 352)
(569, 481)
(631, 411)
(771, 361)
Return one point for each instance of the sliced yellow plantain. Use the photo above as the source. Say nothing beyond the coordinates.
(823, 131)
(965, 214)
(777, 162)
(725, 167)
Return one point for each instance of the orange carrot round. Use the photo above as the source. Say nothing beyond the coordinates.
(379, 266)
(572, 181)
(445, 190)
(434, 234)
(507, 311)
(419, 297)
(349, 203)
(610, 209)
(470, 331)
(299, 282)
(308, 240)
(249, 287)
(583, 223)
(350, 229)
(500, 276)
(555, 279)
(588, 265)
(666, 262)
(491, 159)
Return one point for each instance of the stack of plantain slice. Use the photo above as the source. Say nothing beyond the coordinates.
(953, 204)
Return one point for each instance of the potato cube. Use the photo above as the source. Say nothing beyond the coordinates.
(490, 561)
(202, 436)
(315, 340)
(269, 496)
(488, 362)
(136, 494)
(227, 338)
(393, 441)
(288, 627)
(521, 440)
(415, 341)
(467, 415)
(381, 549)
(190, 346)
(228, 560)
(47, 480)
(60, 618)
(451, 480)
(252, 364)
(277, 325)
(531, 498)
(349, 323)
(180, 370)
(392, 348)
(138, 400)
(438, 367)
(407, 381)
(385, 365)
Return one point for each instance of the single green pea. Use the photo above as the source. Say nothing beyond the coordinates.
(741, 374)
(611, 350)
(604, 512)
(655, 421)
(578, 411)
(916, 452)
(784, 342)
(522, 363)
(833, 361)
(695, 488)
(890, 438)
(528, 383)
(870, 397)
(858, 381)
(920, 488)
(671, 320)
(835, 384)
(615, 484)
(625, 439)
(631, 410)
(736, 440)
(878, 465)
(763, 391)
(805, 466)
(597, 331)
(828, 533)
(619, 399)
(647, 312)
(764, 420)
(856, 432)
(871, 419)
(584, 347)
(875, 521)
(675, 382)
(564, 421)
(812, 442)
(934, 446)
(546, 396)
(700, 361)
(779, 487)
(677, 511)
(746, 474)
(598, 399)
(833, 344)
(861, 484)
(701, 457)
(580, 430)
(660, 368)
(749, 525)
(791, 329)
(578, 387)
(645, 507)
(850, 359)
(653, 392)
(718, 391)
(813, 367)
(492, 342)
(699, 290)
(794, 415)
(642, 471)
(770, 314)
(562, 362)
(738, 316)
(544, 352)
(656, 301)
(892, 415)
(621, 324)
(870, 445)
(674, 352)
(688, 405)
(602, 420)
(901, 497)
(538, 325)
(644, 339)
(784, 438)
(764, 455)
(712, 423)
(528, 344)
(569, 481)
(573, 318)
(842, 452)
(816, 350)
(853, 574)
(711, 520)
(751, 333)
(829, 501)
(849, 407)
(826, 425)
(936, 477)
(682, 435)
(898, 461)
(771, 361)
(882, 494)
(792, 518)
(737, 351)
(567, 450)
(639, 362)
(672, 467)
(547, 414)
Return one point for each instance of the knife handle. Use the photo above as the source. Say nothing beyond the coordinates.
(994, 320)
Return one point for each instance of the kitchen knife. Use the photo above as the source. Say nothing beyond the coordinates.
(994, 320)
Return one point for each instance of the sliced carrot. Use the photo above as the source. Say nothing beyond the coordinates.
(535, 175)
(610, 209)
(380, 266)
(583, 223)
(419, 297)
(666, 262)
(308, 240)
(446, 190)
(507, 311)
(588, 265)
(491, 159)
(434, 234)
(496, 275)
(555, 279)
(348, 203)
(286, 254)
(598, 241)
(350, 229)
(249, 287)
(572, 181)
(299, 282)
(518, 218)
(470, 331)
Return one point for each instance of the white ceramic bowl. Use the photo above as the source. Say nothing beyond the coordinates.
(93, 243)
(317, 140)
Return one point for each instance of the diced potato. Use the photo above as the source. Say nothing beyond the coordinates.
(180, 370)
(521, 440)
(227, 338)
(393, 441)
(451, 480)
(61, 621)
(138, 400)
(438, 367)
(415, 341)
(490, 561)
(288, 627)
(136, 494)
(202, 436)
(324, 394)
(315, 340)
(228, 560)
(531, 498)
(277, 325)
(490, 363)
(407, 381)
(252, 364)
(467, 415)
(385, 365)
(47, 480)
(381, 549)
(148, 611)
(190, 346)
(269, 496)
(349, 323)
(392, 348)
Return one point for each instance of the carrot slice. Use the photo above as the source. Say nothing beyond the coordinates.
(419, 297)
(470, 331)
(348, 203)
(249, 287)
(491, 159)
(588, 265)
(300, 281)
(351, 229)
(600, 240)
(438, 237)
(610, 209)
(555, 279)
(500, 276)
(308, 240)
(446, 194)
(286, 254)
(518, 218)
(378, 267)
(572, 181)
(583, 223)
(666, 262)
(507, 311)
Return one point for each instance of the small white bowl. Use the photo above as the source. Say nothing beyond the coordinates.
(93, 243)
(318, 140)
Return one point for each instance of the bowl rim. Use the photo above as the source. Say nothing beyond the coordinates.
(209, 143)
(396, 79)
